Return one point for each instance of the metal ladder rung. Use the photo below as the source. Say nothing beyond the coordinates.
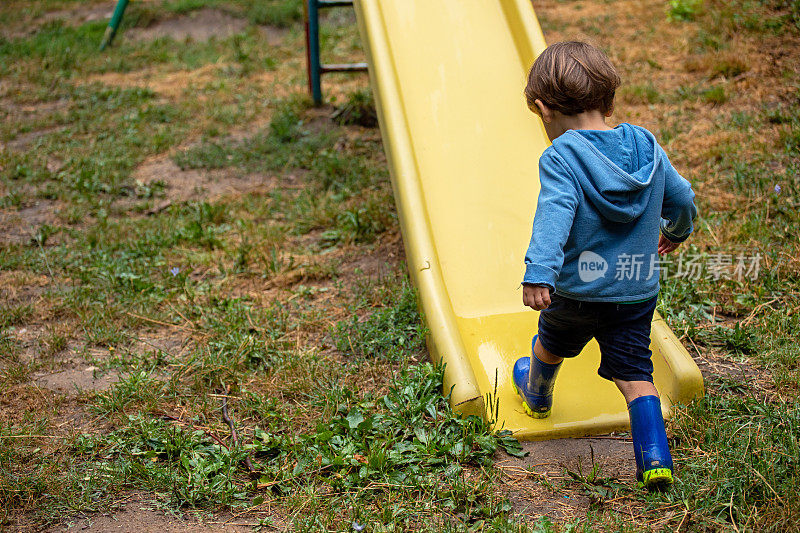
(334, 3)
(344, 67)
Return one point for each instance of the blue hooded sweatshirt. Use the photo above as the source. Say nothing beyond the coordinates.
(604, 196)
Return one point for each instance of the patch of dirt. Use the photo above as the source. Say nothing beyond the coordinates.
(18, 402)
(81, 14)
(140, 514)
(87, 11)
(549, 460)
(66, 371)
(613, 453)
(74, 380)
(28, 141)
(714, 366)
(273, 34)
(8, 105)
(21, 287)
(200, 25)
(18, 226)
(381, 261)
(166, 84)
(192, 184)
(172, 341)
(36, 340)
(346, 266)
(72, 372)
(13, 111)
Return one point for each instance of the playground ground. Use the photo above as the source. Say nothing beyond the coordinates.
(180, 231)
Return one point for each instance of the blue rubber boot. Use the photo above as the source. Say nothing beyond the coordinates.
(534, 381)
(653, 460)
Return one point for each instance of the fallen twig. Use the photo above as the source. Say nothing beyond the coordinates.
(31, 437)
(234, 435)
(159, 208)
(604, 437)
(44, 256)
(182, 316)
(154, 321)
(205, 431)
(756, 309)
(261, 486)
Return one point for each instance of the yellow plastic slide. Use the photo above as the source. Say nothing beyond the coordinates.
(463, 150)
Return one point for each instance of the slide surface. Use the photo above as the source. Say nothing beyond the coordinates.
(463, 151)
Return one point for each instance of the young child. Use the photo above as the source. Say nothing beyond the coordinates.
(610, 202)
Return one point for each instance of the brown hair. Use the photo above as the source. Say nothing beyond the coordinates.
(572, 77)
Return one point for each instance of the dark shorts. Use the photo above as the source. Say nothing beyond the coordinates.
(621, 330)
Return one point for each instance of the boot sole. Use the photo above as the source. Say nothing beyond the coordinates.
(528, 411)
(657, 478)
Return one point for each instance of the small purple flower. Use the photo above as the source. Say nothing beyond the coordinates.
(174, 271)
(358, 527)
(778, 189)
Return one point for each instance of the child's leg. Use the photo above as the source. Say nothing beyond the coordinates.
(635, 389)
(624, 342)
(534, 380)
(544, 355)
(564, 331)
(537, 377)
(650, 447)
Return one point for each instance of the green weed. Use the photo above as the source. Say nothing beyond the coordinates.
(140, 15)
(138, 388)
(682, 10)
(361, 224)
(358, 110)
(594, 484)
(706, 40)
(55, 341)
(641, 93)
(715, 95)
(281, 13)
(14, 315)
(389, 333)
(408, 437)
(185, 467)
(186, 6)
(729, 67)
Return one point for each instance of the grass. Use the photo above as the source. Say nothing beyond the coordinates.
(640, 94)
(386, 334)
(359, 109)
(172, 268)
(260, 263)
(715, 95)
(743, 467)
(681, 10)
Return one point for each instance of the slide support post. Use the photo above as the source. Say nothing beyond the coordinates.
(113, 24)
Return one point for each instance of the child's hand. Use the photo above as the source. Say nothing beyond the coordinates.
(665, 245)
(536, 297)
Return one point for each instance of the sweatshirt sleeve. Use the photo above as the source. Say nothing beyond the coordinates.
(678, 210)
(555, 211)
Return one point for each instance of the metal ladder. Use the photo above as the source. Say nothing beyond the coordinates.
(315, 68)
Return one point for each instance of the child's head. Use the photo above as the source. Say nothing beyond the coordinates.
(572, 77)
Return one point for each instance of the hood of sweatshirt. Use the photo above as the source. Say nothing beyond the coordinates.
(615, 168)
